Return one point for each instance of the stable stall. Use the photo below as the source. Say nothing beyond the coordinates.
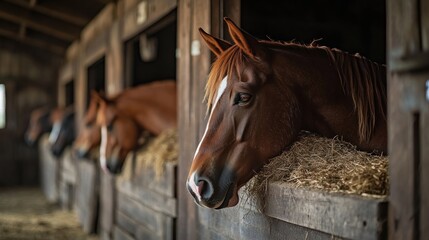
(290, 212)
(134, 42)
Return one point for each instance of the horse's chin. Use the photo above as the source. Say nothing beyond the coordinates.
(231, 198)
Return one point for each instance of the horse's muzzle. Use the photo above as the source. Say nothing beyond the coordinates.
(209, 193)
(114, 165)
(29, 142)
(81, 153)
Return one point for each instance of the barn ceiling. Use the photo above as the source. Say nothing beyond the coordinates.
(50, 25)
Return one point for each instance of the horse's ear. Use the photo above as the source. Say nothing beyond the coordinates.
(244, 40)
(216, 45)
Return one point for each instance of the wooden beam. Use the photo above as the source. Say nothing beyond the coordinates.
(61, 15)
(33, 3)
(22, 30)
(59, 50)
(42, 25)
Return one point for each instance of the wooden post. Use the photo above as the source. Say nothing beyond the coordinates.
(194, 60)
(408, 118)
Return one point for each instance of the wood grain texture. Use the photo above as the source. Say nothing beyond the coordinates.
(49, 171)
(156, 10)
(337, 214)
(107, 203)
(401, 210)
(119, 234)
(186, 210)
(156, 201)
(424, 15)
(402, 25)
(126, 223)
(87, 194)
(115, 60)
(164, 185)
(424, 170)
(143, 215)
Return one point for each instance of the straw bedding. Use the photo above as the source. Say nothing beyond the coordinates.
(153, 154)
(157, 151)
(325, 164)
(311, 162)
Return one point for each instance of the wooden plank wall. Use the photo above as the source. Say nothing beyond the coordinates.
(67, 180)
(408, 118)
(49, 171)
(146, 205)
(87, 193)
(103, 36)
(194, 60)
(190, 77)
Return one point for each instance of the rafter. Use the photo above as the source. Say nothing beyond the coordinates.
(22, 30)
(39, 27)
(59, 50)
(61, 15)
(41, 24)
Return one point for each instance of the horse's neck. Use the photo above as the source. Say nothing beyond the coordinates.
(151, 108)
(326, 107)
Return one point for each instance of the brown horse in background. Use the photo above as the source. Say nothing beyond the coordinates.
(150, 107)
(41, 121)
(262, 93)
(89, 135)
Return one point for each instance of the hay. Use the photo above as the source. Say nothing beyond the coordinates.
(157, 151)
(325, 164)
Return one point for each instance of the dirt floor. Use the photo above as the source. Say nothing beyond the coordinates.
(25, 214)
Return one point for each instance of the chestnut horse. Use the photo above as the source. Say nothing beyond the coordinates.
(63, 132)
(151, 107)
(89, 135)
(41, 121)
(262, 93)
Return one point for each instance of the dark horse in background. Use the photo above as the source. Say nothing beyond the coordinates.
(151, 107)
(63, 132)
(261, 94)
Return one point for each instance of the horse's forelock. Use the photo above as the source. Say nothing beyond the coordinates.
(229, 61)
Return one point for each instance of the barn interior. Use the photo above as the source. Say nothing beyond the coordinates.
(55, 53)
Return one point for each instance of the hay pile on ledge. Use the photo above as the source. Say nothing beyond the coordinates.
(157, 151)
(326, 164)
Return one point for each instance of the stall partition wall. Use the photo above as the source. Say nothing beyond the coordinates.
(338, 25)
(408, 110)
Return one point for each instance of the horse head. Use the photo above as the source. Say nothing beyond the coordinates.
(63, 132)
(89, 134)
(39, 123)
(244, 96)
(119, 135)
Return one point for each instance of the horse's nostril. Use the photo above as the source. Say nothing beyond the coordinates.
(205, 188)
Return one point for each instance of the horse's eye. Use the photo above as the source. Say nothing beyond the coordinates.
(88, 125)
(242, 98)
(110, 127)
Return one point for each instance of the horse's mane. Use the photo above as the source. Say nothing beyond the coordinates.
(365, 82)
(361, 79)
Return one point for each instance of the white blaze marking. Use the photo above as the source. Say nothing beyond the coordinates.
(103, 147)
(220, 91)
(55, 132)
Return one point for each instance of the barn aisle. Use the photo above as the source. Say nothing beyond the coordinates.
(25, 214)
